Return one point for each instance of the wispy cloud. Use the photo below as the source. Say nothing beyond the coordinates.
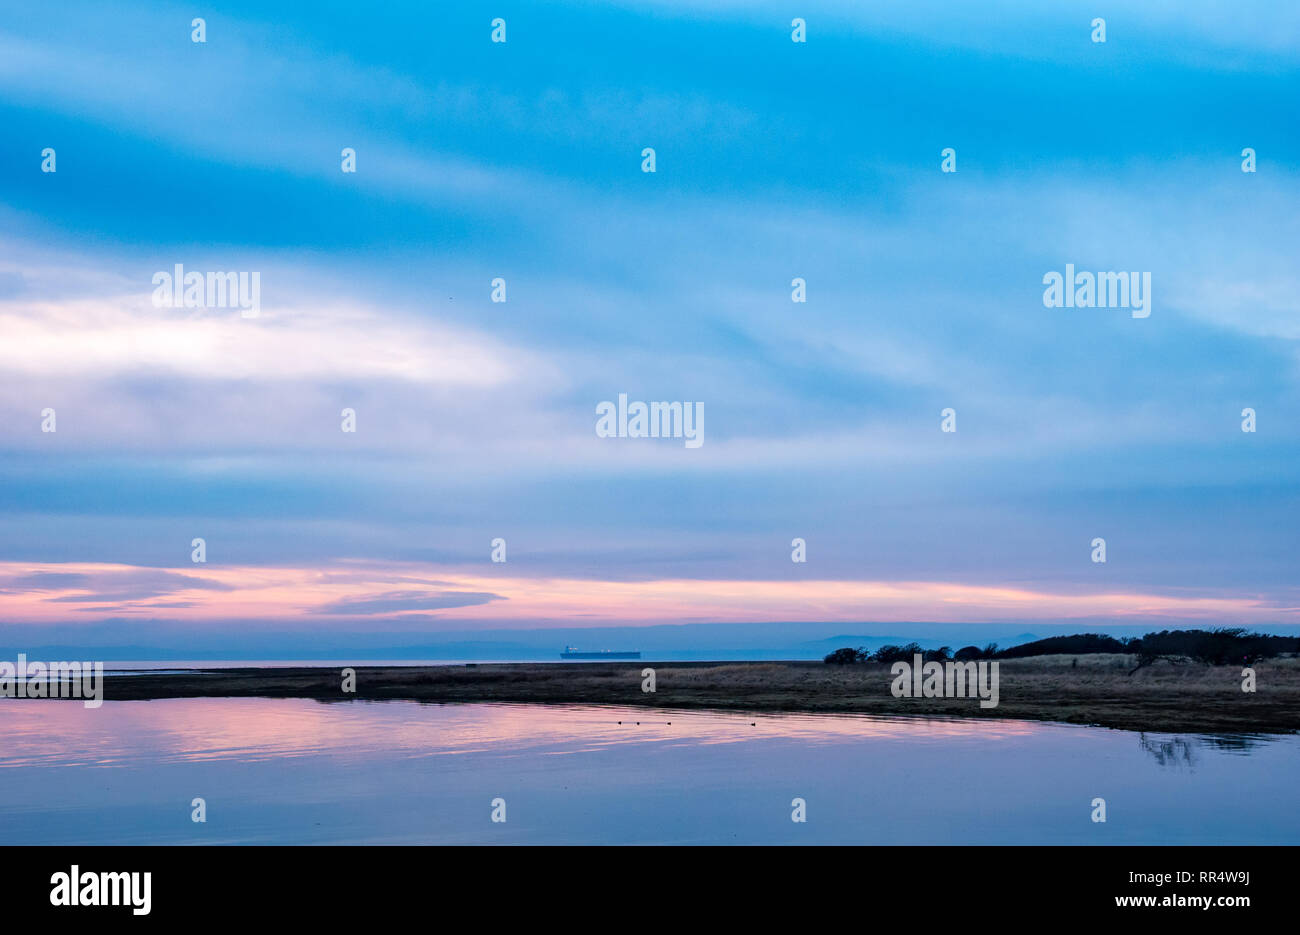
(297, 594)
(406, 601)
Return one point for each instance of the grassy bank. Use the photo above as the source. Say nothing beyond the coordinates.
(1094, 689)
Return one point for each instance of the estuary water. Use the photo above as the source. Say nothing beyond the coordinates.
(289, 771)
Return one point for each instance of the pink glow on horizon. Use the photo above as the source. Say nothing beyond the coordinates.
(211, 593)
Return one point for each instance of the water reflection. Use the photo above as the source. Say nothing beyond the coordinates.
(1170, 751)
(298, 771)
(1181, 750)
(258, 728)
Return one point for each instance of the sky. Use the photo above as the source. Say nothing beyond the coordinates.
(476, 420)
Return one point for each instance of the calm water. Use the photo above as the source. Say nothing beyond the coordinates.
(297, 772)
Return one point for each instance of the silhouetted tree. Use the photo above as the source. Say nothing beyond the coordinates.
(846, 656)
(891, 653)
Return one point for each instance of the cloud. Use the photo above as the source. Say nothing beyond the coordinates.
(127, 585)
(46, 581)
(1030, 29)
(121, 336)
(401, 601)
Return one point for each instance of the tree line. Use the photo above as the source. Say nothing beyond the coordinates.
(1219, 646)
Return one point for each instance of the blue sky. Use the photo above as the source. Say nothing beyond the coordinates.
(522, 160)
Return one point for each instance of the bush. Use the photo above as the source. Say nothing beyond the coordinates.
(1218, 647)
(891, 653)
(1078, 644)
(846, 656)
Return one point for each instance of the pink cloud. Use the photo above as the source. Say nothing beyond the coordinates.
(346, 592)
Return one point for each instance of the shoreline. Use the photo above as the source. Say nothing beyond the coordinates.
(1087, 690)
